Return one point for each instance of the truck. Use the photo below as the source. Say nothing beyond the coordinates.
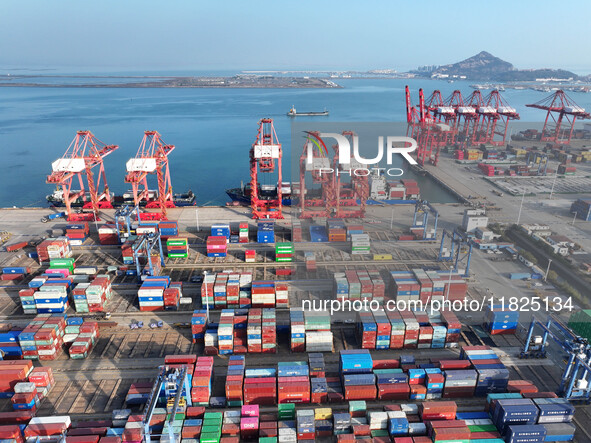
(519, 276)
(53, 216)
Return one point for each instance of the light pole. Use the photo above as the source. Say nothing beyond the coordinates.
(206, 295)
(553, 183)
(521, 206)
(574, 218)
(392, 219)
(548, 269)
(197, 218)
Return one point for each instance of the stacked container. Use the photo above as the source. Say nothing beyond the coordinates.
(243, 235)
(226, 332)
(81, 336)
(263, 294)
(168, 228)
(235, 381)
(460, 383)
(250, 256)
(172, 296)
(43, 380)
(360, 244)
(25, 397)
(310, 261)
(260, 386)
(249, 422)
(306, 429)
(297, 330)
(91, 297)
(296, 231)
(293, 382)
(265, 231)
(43, 338)
(201, 381)
(53, 248)
(217, 246)
(77, 233)
(336, 230)
(198, 325)
(357, 377)
(108, 234)
(177, 247)
(151, 293)
(356, 285)
(319, 337)
(284, 252)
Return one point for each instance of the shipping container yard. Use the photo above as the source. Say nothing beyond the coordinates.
(234, 319)
(187, 258)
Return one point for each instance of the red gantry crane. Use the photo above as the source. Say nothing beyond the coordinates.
(265, 157)
(494, 120)
(562, 112)
(428, 131)
(316, 202)
(84, 154)
(468, 117)
(350, 197)
(151, 158)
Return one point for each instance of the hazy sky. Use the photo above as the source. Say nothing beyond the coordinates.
(249, 34)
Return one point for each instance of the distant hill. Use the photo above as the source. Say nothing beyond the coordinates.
(485, 66)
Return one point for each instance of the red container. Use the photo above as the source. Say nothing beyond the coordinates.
(45, 429)
(195, 411)
(396, 391)
(82, 438)
(361, 392)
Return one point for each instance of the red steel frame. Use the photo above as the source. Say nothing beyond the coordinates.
(153, 147)
(561, 109)
(345, 197)
(468, 121)
(321, 205)
(492, 124)
(87, 147)
(263, 208)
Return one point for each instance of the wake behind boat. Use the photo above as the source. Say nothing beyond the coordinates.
(293, 113)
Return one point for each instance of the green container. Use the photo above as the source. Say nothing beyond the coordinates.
(358, 405)
(379, 433)
(268, 440)
(211, 429)
(286, 411)
(209, 438)
(175, 255)
(482, 428)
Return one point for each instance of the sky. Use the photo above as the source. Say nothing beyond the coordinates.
(132, 35)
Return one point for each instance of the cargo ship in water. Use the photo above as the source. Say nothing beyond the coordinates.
(293, 113)
(381, 191)
(56, 199)
(269, 192)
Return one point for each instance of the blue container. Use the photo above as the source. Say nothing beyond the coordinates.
(525, 434)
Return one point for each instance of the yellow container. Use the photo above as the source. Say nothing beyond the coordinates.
(382, 256)
(322, 413)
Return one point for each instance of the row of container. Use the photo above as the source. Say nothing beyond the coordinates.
(53, 248)
(404, 423)
(310, 331)
(25, 385)
(356, 285)
(242, 330)
(265, 231)
(159, 293)
(238, 290)
(427, 285)
(407, 329)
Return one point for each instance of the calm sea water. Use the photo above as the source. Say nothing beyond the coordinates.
(212, 129)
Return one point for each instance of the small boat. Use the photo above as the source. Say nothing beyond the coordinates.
(293, 113)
